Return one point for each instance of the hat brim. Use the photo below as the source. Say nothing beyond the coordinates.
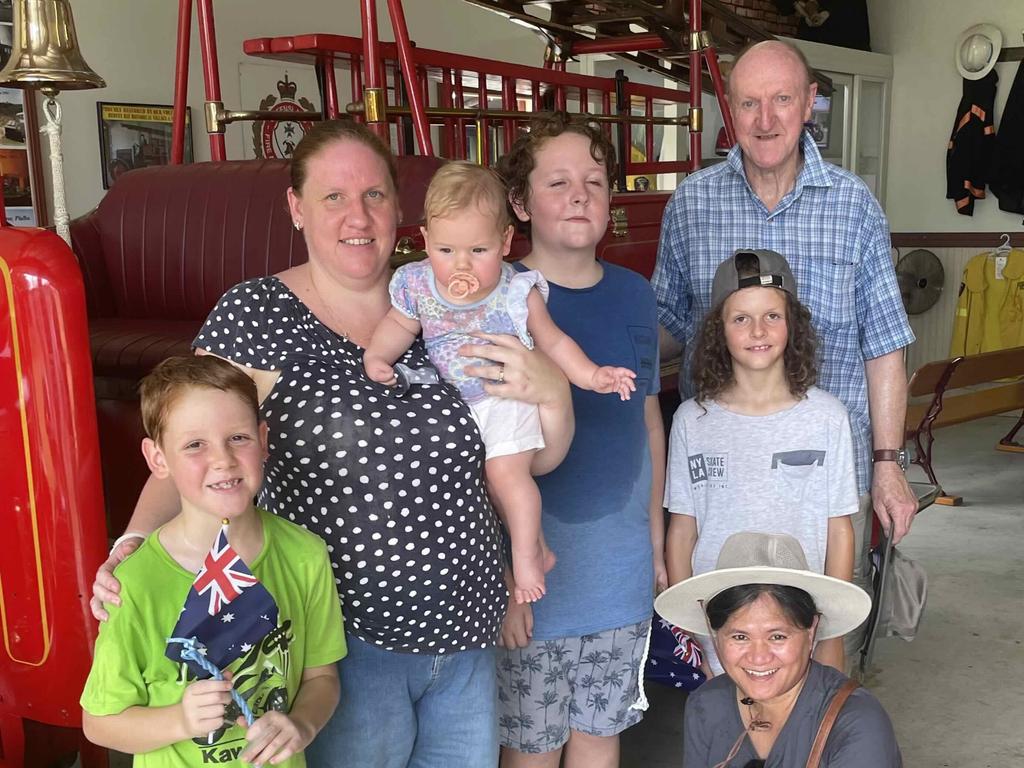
(990, 31)
(843, 606)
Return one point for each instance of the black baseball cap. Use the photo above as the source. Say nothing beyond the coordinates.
(772, 272)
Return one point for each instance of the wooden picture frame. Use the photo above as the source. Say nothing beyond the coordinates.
(136, 136)
(21, 163)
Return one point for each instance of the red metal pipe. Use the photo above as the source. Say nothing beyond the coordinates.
(425, 91)
(659, 166)
(211, 71)
(356, 75)
(460, 102)
(181, 81)
(649, 132)
(606, 107)
(372, 58)
(421, 75)
(482, 125)
(412, 85)
(446, 102)
(509, 104)
(671, 95)
(559, 98)
(645, 42)
(559, 66)
(330, 88)
(711, 57)
(695, 78)
(399, 145)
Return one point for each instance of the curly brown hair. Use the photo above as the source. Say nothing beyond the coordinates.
(712, 363)
(517, 165)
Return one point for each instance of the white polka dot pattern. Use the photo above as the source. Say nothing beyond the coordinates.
(394, 486)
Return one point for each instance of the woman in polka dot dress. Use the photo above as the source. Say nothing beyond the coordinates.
(394, 486)
(570, 669)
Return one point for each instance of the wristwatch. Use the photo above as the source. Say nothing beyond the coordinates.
(890, 454)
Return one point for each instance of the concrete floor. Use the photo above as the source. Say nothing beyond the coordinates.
(955, 692)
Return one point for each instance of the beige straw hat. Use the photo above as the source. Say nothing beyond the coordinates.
(765, 558)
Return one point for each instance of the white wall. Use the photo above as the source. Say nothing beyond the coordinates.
(921, 36)
(131, 44)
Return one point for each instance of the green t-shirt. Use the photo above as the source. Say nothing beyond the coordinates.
(130, 667)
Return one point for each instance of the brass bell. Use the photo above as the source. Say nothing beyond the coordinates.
(45, 53)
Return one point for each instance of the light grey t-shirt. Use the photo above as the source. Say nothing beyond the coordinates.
(787, 472)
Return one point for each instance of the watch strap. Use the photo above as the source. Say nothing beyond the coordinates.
(897, 455)
(886, 454)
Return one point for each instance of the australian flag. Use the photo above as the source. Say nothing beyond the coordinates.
(674, 657)
(227, 610)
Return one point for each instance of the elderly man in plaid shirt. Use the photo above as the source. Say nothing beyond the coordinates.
(775, 191)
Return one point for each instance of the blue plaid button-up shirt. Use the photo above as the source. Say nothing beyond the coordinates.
(833, 233)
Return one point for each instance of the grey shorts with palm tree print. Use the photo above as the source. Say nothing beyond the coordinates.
(584, 683)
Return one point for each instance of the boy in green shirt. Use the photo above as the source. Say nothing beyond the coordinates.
(201, 415)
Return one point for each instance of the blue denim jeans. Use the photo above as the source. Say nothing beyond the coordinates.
(416, 710)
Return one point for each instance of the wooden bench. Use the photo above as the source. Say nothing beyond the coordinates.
(942, 383)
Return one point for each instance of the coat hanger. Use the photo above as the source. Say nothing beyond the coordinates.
(1011, 54)
(1004, 247)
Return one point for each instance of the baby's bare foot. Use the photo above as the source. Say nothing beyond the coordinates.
(528, 571)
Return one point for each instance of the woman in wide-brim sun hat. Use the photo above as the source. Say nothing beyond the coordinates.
(765, 610)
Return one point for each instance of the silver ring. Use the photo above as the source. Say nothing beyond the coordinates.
(501, 375)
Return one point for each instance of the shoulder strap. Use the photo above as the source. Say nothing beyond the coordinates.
(838, 700)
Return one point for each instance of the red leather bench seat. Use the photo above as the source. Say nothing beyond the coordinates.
(131, 348)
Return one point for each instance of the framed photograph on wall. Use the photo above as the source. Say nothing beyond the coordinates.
(20, 159)
(136, 136)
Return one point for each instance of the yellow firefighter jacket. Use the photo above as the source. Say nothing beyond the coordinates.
(990, 309)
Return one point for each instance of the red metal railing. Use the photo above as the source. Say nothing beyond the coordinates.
(471, 105)
(483, 86)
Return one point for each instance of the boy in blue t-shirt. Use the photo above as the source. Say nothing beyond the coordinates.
(201, 415)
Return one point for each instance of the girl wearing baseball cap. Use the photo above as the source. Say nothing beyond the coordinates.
(760, 448)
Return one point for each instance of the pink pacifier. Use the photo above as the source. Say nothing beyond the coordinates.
(462, 284)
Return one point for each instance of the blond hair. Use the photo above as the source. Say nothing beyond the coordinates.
(461, 185)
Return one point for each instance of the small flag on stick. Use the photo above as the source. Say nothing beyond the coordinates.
(226, 613)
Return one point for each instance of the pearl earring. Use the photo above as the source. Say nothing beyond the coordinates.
(298, 226)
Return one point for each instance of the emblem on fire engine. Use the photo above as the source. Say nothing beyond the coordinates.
(278, 138)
